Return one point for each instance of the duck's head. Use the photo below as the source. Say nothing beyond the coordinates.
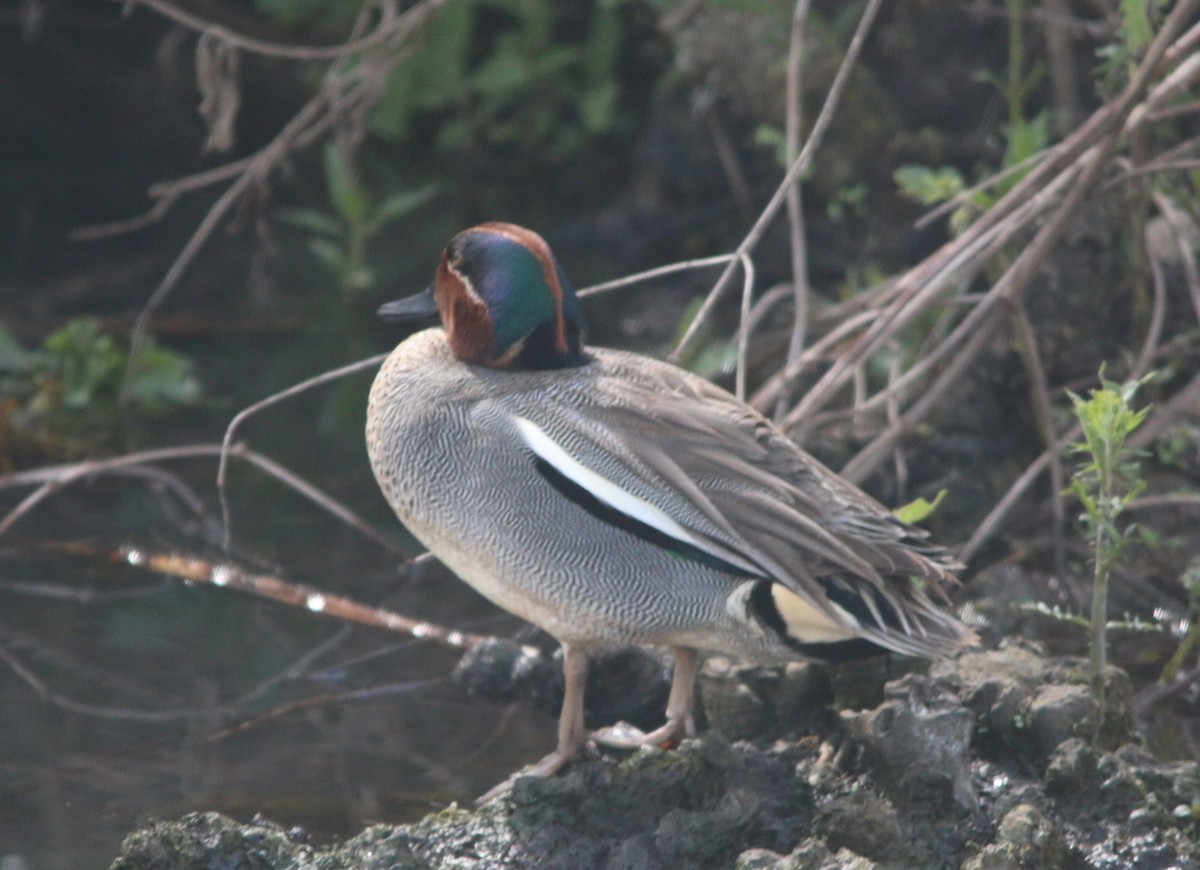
(503, 299)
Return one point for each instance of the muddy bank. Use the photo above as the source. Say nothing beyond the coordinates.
(995, 760)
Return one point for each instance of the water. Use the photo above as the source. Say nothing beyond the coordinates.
(125, 695)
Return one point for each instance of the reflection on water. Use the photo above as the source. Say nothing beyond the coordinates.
(124, 695)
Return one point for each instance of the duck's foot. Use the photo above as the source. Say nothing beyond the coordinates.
(572, 737)
(680, 721)
(626, 736)
(548, 766)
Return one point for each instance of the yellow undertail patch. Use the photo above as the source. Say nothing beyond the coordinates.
(806, 623)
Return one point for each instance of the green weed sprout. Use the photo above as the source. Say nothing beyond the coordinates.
(339, 239)
(1107, 481)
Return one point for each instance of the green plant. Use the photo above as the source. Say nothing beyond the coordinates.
(919, 509)
(69, 388)
(849, 199)
(1107, 480)
(1137, 22)
(341, 239)
(510, 73)
(1024, 135)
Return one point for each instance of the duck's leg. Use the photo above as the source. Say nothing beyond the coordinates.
(572, 735)
(681, 721)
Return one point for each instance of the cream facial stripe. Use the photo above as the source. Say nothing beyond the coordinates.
(463, 281)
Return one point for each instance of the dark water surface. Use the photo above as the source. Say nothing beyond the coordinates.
(155, 697)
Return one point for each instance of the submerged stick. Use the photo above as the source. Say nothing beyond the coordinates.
(225, 575)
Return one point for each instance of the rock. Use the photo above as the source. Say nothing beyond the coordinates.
(1073, 768)
(810, 856)
(730, 706)
(1025, 838)
(916, 742)
(1057, 713)
(214, 840)
(980, 765)
(740, 701)
(1028, 704)
(863, 823)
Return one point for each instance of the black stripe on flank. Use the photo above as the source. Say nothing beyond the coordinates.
(578, 495)
(762, 603)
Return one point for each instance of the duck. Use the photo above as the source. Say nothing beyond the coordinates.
(614, 499)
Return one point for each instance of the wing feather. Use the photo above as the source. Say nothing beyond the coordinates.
(668, 449)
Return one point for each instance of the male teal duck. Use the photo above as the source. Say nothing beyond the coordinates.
(610, 498)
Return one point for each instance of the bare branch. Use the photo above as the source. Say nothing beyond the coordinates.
(801, 163)
(262, 47)
(658, 272)
(797, 237)
(296, 595)
(294, 390)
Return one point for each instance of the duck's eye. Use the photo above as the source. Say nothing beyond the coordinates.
(454, 256)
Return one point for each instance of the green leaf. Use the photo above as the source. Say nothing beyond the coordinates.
(163, 378)
(505, 71)
(345, 192)
(329, 253)
(1135, 25)
(598, 106)
(1025, 138)
(603, 46)
(929, 186)
(919, 509)
(314, 221)
(770, 136)
(397, 205)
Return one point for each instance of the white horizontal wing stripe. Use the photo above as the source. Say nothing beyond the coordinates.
(609, 493)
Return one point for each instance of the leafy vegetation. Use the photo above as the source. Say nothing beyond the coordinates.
(340, 240)
(72, 383)
(919, 509)
(1105, 483)
(507, 73)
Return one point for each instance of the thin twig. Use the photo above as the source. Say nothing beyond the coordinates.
(1153, 427)
(989, 525)
(1158, 317)
(1010, 286)
(319, 498)
(794, 95)
(957, 265)
(815, 138)
(744, 332)
(1155, 168)
(165, 194)
(1043, 412)
(316, 117)
(54, 478)
(296, 595)
(96, 710)
(657, 272)
(260, 46)
(1078, 148)
(1183, 244)
(964, 196)
(246, 413)
(1165, 500)
(51, 480)
(769, 393)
